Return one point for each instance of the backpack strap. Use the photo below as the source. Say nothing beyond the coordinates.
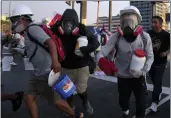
(31, 38)
(144, 39)
(116, 44)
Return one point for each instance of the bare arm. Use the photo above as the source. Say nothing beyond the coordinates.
(53, 53)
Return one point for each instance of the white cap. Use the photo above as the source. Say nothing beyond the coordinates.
(131, 9)
(21, 10)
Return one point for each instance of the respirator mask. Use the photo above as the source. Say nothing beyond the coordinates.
(129, 22)
(68, 25)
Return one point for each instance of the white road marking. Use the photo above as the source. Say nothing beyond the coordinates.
(6, 63)
(28, 65)
(6, 53)
(165, 90)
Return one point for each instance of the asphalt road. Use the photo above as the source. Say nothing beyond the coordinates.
(103, 96)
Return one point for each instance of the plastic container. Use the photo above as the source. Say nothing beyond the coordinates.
(138, 60)
(64, 86)
(81, 41)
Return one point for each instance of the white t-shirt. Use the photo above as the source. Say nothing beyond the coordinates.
(21, 42)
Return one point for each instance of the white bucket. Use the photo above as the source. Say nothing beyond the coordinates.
(81, 41)
(138, 60)
(53, 78)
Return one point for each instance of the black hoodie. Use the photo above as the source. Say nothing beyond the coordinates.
(73, 61)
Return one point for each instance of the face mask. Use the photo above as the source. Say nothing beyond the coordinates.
(130, 20)
(128, 34)
(68, 26)
(19, 28)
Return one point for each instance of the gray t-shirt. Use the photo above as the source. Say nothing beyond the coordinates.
(42, 59)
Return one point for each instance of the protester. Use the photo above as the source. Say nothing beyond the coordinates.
(129, 38)
(16, 99)
(42, 61)
(161, 48)
(20, 48)
(76, 67)
(11, 43)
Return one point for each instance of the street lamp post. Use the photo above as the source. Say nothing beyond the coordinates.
(98, 7)
(110, 14)
(9, 8)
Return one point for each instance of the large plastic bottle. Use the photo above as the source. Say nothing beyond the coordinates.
(138, 60)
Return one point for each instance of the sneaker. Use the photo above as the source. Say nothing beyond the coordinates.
(13, 64)
(16, 104)
(160, 96)
(125, 113)
(66, 115)
(88, 108)
(78, 115)
(153, 107)
(137, 117)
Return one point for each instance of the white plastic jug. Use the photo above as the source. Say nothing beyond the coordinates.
(53, 77)
(81, 41)
(138, 60)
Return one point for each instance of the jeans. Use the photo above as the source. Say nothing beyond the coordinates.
(136, 85)
(156, 74)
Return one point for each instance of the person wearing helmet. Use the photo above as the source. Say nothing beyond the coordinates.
(42, 61)
(129, 37)
(76, 66)
(161, 48)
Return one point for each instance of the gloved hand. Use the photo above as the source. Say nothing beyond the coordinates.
(107, 67)
(86, 50)
(137, 73)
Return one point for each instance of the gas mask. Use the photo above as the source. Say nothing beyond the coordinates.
(129, 22)
(18, 27)
(68, 25)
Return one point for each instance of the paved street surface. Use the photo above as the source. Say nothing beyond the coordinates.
(103, 94)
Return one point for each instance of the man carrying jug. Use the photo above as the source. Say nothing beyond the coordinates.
(42, 61)
(78, 42)
(132, 45)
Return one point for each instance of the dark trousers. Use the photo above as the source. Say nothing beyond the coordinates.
(156, 74)
(136, 85)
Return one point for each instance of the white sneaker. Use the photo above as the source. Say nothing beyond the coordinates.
(137, 117)
(13, 64)
(153, 107)
(160, 96)
(126, 113)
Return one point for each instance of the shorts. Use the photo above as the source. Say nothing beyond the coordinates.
(39, 86)
(79, 77)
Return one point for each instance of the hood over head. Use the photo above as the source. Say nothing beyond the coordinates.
(70, 14)
(69, 21)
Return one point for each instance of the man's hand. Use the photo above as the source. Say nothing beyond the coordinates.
(164, 54)
(56, 66)
(136, 73)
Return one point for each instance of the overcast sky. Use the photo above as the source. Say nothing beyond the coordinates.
(43, 9)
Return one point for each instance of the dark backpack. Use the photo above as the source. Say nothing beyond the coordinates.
(55, 39)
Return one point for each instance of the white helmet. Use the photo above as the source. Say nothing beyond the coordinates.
(131, 9)
(21, 10)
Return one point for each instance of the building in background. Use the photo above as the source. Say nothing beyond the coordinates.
(149, 9)
(105, 21)
(5, 24)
